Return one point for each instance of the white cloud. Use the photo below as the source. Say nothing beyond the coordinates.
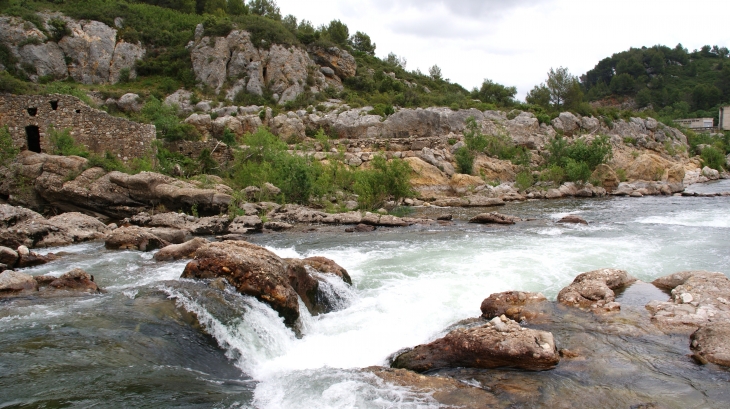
(517, 42)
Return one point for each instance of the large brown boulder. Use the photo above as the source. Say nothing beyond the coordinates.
(306, 277)
(608, 178)
(180, 251)
(13, 283)
(515, 305)
(134, 238)
(697, 299)
(252, 270)
(497, 344)
(594, 290)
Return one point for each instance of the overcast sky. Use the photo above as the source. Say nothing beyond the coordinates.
(516, 42)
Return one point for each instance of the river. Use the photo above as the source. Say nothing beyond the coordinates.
(154, 340)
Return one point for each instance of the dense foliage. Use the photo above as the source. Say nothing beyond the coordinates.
(575, 162)
(677, 83)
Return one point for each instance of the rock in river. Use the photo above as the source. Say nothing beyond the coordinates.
(594, 290)
(497, 344)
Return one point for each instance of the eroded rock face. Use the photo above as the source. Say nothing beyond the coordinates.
(697, 299)
(340, 61)
(594, 290)
(515, 305)
(113, 194)
(495, 345)
(134, 238)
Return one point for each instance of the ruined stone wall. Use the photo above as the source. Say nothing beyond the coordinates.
(192, 149)
(95, 129)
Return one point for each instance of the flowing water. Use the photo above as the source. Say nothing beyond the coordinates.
(154, 340)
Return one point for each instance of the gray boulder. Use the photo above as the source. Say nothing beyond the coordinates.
(594, 290)
(47, 58)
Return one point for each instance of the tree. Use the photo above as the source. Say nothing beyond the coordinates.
(290, 22)
(338, 32)
(237, 8)
(435, 73)
(361, 42)
(394, 60)
(265, 8)
(306, 32)
(540, 95)
(564, 89)
(495, 93)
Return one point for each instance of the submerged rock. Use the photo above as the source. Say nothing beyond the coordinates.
(495, 345)
(446, 391)
(76, 280)
(594, 290)
(571, 218)
(494, 218)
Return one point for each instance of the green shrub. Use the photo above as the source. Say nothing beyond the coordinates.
(385, 180)
(577, 171)
(59, 29)
(107, 161)
(553, 173)
(12, 85)
(598, 152)
(169, 126)
(464, 160)
(713, 158)
(62, 143)
(8, 151)
(524, 180)
(323, 139)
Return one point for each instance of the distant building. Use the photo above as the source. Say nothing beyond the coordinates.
(724, 123)
(697, 123)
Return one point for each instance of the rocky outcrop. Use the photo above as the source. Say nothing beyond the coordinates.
(286, 71)
(697, 299)
(24, 227)
(257, 272)
(572, 219)
(515, 305)
(306, 277)
(594, 290)
(497, 344)
(91, 54)
(64, 183)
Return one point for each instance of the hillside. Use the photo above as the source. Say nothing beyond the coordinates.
(675, 82)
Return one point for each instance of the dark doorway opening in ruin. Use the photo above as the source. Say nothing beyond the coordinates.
(32, 111)
(78, 111)
(264, 72)
(33, 135)
(54, 105)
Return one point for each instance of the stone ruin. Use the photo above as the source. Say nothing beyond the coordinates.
(30, 118)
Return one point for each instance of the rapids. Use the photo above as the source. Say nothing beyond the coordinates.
(154, 340)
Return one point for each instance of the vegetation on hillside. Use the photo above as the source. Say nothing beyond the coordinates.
(675, 82)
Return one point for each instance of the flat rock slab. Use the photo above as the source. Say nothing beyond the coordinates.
(497, 344)
(697, 299)
(594, 290)
(494, 218)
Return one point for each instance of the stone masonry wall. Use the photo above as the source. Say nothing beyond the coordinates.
(97, 130)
